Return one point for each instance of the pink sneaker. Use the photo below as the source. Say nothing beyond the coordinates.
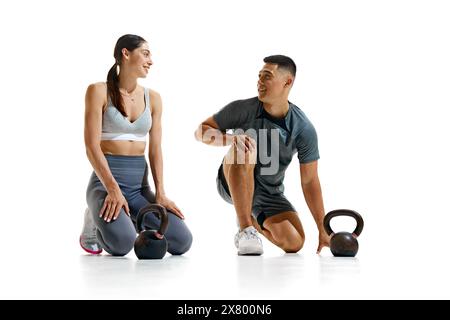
(88, 237)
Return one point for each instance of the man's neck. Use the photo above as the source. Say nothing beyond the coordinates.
(277, 109)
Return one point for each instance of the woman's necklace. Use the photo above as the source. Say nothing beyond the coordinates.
(129, 95)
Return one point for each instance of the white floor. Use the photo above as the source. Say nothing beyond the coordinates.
(204, 273)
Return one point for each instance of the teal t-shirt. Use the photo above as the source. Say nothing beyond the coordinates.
(295, 135)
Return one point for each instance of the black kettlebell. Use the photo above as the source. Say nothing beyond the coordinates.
(151, 244)
(344, 244)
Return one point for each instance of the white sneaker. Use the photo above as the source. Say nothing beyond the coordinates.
(248, 242)
(88, 237)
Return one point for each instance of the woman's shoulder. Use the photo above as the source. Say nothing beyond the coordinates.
(153, 94)
(97, 88)
(155, 100)
(96, 92)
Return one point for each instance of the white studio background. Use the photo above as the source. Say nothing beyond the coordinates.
(373, 76)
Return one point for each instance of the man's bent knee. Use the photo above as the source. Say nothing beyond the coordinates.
(293, 245)
(290, 242)
(238, 157)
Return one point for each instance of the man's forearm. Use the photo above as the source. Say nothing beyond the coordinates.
(213, 137)
(313, 196)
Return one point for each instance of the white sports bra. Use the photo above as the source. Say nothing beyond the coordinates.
(116, 127)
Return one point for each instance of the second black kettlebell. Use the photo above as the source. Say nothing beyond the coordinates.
(151, 244)
(344, 244)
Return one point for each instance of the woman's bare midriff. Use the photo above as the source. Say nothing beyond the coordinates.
(123, 147)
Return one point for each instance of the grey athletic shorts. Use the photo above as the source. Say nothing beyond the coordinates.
(264, 204)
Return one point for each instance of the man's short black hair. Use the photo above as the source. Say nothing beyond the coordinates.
(283, 62)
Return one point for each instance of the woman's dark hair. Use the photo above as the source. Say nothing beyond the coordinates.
(130, 42)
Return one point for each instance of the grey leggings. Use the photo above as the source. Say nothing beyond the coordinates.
(117, 237)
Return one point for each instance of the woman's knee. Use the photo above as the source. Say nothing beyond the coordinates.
(118, 241)
(178, 235)
(123, 245)
(180, 242)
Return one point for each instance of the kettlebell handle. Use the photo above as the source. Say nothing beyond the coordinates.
(343, 212)
(157, 210)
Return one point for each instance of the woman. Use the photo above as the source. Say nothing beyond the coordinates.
(119, 115)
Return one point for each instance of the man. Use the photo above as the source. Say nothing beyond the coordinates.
(252, 180)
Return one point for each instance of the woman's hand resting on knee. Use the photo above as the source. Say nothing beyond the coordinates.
(114, 202)
(169, 205)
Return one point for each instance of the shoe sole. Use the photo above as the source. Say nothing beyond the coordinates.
(90, 251)
(250, 253)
